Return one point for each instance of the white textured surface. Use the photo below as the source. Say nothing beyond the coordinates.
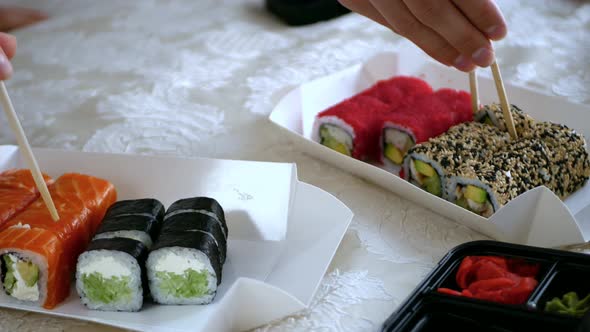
(198, 78)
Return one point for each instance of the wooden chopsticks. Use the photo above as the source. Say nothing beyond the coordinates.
(26, 151)
(508, 120)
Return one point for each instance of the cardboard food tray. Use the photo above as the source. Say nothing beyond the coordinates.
(283, 235)
(537, 217)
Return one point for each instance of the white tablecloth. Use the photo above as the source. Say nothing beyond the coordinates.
(199, 78)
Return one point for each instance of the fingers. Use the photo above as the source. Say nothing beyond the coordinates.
(17, 17)
(7, 50)
(455, 28)
(8, 44)
(485, 15)
(401, 19)
(365, 8)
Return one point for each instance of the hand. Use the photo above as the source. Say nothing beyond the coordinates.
(17, 17)
(7, 50)
(454, 32)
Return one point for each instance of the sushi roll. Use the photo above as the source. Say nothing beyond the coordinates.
(427, 116)
(185, 264)
(38, 255)
(17, 191)
(136, 207)
(203, 205)
(493, 115)
(570, 164)
(138, 227)
(398, 91)
(484, 186)
(351, 127)
(135, 219)
(110, 275)
(428, 165)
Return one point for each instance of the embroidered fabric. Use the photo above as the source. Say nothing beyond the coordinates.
(199, 78)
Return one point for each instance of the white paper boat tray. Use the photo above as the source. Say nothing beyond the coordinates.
(283, 235)
(537, 217)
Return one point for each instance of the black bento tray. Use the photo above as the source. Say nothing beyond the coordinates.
(427, 310)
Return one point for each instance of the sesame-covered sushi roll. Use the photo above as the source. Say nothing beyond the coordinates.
(429, 164)
(570, 163)
(110, 275)
(492, 114)
(135, 219)
(485, 185)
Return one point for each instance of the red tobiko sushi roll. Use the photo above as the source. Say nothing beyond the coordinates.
(459, 103)
(351, 127)
(398, 91)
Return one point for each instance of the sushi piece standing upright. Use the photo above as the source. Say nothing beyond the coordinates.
(38, 254)
(110, 274)
(429, 165)
(138, 219)
(185, 264)
(17, 191)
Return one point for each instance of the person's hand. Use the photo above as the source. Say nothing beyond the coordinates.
(17, 17)
(7, 50)
(454, 32)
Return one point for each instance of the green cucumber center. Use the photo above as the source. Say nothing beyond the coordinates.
(189, 284)
(106, 290)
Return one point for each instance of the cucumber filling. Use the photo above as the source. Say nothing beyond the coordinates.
(106, 289)
(487, 120)
(474, 199)
(189, 284)
(336, 139)
(396, 145)
(20, 278)
(426, 177)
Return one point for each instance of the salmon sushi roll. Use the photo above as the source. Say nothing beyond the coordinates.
(17, 191)
(38, 255)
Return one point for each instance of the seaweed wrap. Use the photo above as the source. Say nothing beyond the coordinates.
(428, 165)
(111, 276)
(203, 205)
(492, 114)
(137, 219)
(185, 264)
(134, 207)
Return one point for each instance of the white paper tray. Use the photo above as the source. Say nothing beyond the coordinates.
(537, 217)
(283, 234)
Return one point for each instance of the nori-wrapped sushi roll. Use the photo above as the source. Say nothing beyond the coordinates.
(185, 265)
(110, 275)
(138, 227)
(145, 207)
(138, 219)
(428, 165)
(203, 205)
(184, 268)
(197, 222)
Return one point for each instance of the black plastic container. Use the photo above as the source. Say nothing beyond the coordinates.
(560, 272)
(304, 12)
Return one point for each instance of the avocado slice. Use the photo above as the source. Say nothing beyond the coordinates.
(394, 154)
(432, 184)
(337, 146)
(476, 194)
(462, 202)
(29, 272)
(9, 279)
(487, 120)
(424, 168)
